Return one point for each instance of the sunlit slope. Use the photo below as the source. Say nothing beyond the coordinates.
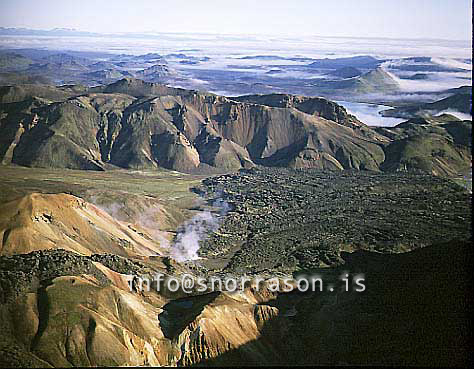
(128, 214)
(44, 221)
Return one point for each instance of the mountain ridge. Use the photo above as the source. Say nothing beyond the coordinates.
(135, 124)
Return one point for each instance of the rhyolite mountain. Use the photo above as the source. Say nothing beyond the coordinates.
(142, 125)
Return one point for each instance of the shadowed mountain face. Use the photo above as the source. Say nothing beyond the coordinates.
(136, 124)
(414, 312)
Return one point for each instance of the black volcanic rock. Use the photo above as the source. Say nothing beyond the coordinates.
(281, 216)
(19, 273)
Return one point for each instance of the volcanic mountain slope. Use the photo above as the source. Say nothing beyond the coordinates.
(18, 93)
(437, 145)
(50, 221)
(82, 313)
(105, 75)
(134, 124)
(128, 213)
(142, 125)
(374, 81)
(156, 73)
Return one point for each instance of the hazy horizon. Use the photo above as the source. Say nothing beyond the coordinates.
(420, 19)
(230, 34)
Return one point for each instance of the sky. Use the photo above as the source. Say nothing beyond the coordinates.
(434, 19)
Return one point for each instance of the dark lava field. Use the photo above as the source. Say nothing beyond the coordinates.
(288, 220)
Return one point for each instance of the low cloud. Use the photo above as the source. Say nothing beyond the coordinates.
(457, 114)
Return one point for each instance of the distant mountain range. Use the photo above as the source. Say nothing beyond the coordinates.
(51, 32)
(348, 78)
(71, 68)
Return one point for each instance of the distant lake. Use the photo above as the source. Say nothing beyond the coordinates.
(369, 113)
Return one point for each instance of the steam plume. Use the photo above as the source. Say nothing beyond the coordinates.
(186, 244)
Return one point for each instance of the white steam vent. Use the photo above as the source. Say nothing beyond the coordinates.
(195, 230)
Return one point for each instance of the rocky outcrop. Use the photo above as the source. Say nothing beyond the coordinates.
(316, 106)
